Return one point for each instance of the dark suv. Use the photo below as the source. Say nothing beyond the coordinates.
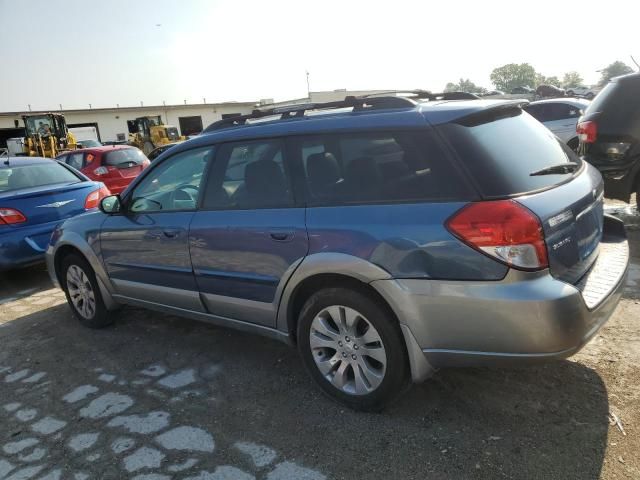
(609, 133)
(385, 237)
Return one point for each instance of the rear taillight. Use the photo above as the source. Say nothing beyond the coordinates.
(11, 216)
(504, 230)
(101, 171)
(93, 199)
(587, 131)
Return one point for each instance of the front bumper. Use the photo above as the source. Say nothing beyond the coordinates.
(524, 318)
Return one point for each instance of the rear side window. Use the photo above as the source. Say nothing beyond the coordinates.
(500, 152)
(38, 175)
(377, 167)
(125, 157)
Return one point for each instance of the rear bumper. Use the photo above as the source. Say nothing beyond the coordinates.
(24, 246)
(619, 178)
(524, 318)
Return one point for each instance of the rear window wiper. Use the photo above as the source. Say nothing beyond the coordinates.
(567, 167)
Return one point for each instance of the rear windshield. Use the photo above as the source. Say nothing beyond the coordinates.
(501, 153)
(38, 175)
(124, 157)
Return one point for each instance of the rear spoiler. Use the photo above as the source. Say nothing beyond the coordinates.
(503, 109)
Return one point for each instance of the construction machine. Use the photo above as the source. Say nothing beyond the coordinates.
(46, 135)
(148, 133)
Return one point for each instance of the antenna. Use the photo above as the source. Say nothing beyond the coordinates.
(634, 61)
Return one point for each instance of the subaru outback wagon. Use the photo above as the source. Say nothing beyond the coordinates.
(385, 237)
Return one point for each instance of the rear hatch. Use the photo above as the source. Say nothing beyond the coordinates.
(501, 149)
(46, 206)
(125, 162)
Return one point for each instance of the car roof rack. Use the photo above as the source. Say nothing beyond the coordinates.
(377, 101)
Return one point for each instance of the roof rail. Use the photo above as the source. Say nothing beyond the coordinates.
(379, 101)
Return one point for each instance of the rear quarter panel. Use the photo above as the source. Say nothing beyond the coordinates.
(405, 240)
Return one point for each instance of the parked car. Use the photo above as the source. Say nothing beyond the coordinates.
(115, 165)
(88, 143)
(609, 133)
(586, 92)
(524, 90)
(549, 91)
(385, 242)
(560, 116)
(492, 93)
(36, 194)
(155, 153)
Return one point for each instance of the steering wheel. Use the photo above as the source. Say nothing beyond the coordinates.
(182, 193)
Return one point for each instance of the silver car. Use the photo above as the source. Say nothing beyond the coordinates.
(560, 115)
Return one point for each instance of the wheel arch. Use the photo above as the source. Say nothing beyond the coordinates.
(307, 287)
(65, 247)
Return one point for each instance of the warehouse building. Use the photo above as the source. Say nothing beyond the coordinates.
(190, 119)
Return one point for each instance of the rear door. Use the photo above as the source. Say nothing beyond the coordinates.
(502, 149)
(146, 249)
(249, 235)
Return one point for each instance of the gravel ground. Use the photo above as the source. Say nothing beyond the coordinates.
(158, 397)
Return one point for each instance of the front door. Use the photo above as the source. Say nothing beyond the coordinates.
(146, 248)
(249, 236)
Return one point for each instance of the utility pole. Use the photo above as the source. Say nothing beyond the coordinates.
(308, 89)
(29, 107)
(89, 106)
(60, 106)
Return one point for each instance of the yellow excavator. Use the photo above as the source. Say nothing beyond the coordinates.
(47, 135)
(148, 133)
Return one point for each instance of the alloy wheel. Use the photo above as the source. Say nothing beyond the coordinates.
(348, 350)
(81, 292)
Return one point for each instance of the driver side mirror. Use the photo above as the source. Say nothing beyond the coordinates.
(110, 204)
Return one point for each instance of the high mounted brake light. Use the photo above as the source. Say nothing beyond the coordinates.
(503, 230)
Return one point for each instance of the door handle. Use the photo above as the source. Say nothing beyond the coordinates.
(281, 235)
(171, 233)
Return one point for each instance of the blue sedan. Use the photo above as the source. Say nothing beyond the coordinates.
(36, 194)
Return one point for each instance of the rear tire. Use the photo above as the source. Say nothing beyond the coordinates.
(353, 348)
(589, 96)
(570, 93)
(83, 293)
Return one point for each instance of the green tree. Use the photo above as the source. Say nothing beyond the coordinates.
(614, 69)
(572, 80)
(512, 75)
(464, 86)
(542, 80)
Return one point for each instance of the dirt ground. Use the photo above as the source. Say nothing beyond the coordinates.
(158, 397)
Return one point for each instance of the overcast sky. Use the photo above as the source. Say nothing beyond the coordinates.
(76, 52)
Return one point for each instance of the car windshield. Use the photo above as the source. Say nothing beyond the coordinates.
(124, 156)
(36, 175)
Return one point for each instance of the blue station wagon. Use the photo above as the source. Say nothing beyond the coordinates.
(384, 236)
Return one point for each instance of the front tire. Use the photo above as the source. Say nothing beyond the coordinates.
(83, 294)
(353, 348)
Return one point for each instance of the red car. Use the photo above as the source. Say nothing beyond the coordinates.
(115, 166)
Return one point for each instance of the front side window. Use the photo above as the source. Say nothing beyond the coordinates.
(249, 175)
(174, 184)
(378, 167)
